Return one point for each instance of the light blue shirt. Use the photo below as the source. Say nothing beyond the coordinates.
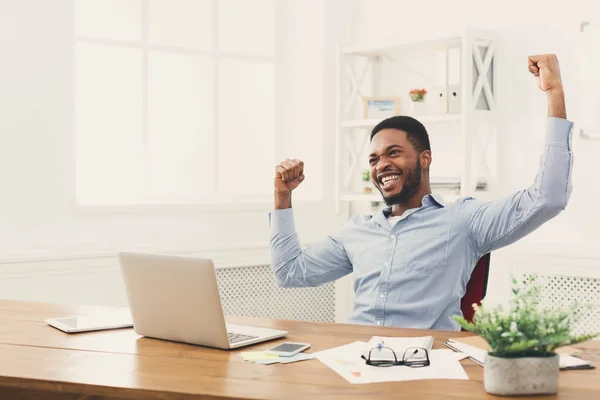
(413, 275)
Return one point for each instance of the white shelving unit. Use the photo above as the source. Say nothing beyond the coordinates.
(392, 70)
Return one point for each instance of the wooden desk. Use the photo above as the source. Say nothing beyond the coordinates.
(38, 361)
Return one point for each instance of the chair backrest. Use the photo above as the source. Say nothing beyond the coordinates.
(476, 287)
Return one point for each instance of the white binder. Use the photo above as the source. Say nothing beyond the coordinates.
(440, 91)
(454, 79)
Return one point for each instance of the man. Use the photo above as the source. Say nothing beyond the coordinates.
(412, 261)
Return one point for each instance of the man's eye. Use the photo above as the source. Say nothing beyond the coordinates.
(394, 152)
(372, 162)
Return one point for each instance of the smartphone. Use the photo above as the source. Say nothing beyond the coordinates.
(287, 349)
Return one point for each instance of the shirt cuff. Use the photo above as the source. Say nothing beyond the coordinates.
(282, 221)
(559, 132)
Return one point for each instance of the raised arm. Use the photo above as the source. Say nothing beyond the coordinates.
(495, 224)
(293, 266)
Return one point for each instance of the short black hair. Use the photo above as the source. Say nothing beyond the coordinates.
(415, 131)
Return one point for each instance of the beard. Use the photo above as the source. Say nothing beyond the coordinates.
(412, 183)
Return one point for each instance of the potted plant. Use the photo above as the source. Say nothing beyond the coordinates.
(523, 340)
(366, 178)
(418, 101)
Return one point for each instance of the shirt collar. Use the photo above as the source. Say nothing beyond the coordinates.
(437, 198)
(428, 201)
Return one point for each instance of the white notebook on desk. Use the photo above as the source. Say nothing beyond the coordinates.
(398, 344)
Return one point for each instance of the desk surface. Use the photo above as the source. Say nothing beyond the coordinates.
(38, 360)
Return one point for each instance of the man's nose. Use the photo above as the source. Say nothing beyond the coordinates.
(382, 164)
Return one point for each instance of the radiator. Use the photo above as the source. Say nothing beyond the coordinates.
(252, 291)
(563, 290)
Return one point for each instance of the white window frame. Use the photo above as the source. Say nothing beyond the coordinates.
(215, 202)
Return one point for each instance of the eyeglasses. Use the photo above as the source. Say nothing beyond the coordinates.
(414, 357)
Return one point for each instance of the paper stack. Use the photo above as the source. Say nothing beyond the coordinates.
(262, 357)
(475, 347)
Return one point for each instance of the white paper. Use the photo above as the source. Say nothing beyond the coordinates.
(568, 361)
(346, 361)
(460, 356)
(478, 355)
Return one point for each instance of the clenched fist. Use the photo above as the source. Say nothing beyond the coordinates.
(289, 174)
(546, 70)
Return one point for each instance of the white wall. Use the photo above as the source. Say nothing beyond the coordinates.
(38, 219)
(525, 28)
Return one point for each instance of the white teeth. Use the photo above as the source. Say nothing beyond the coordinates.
(388, 178)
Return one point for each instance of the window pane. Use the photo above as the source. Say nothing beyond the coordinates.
(302, 93)
(183, 23)
(246, 127)
(108, 125)
(180, 127)
(109, 19)
(247, 27)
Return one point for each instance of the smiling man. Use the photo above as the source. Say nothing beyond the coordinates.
(412, 261)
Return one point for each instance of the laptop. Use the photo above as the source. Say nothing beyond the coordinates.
(177, 298)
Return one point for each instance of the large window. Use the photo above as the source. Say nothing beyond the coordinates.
(174, 101)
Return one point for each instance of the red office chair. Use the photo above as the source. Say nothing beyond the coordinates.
(476, 287)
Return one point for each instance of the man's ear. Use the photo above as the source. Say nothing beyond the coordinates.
(425, 159)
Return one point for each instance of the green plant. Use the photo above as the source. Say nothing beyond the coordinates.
(525, 329)
(366, 175)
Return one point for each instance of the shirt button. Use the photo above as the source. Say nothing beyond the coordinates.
(382, 295)
(379, 323)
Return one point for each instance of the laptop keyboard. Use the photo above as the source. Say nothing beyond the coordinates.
(235, 337)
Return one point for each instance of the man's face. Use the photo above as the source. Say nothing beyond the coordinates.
(395, 166)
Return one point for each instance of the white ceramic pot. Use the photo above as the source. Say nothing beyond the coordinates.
(418, 108)
(520, 376)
